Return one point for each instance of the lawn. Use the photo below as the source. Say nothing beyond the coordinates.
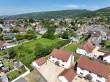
(26, 51)
(14, 74)
(76, 58)
(7, 63)
(71, 47)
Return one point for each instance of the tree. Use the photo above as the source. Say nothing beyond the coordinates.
(19, 37)
(65, 35)
(12, 53)
(50, 33)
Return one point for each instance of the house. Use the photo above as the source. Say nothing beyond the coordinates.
(60, 30)
(74, 40)
(8, 27)
(108, 35)
(37, 63)
(93, 70)
(2, 45)
(106, 57)
(61, 58)
(67, 75)
(86, 48)
(8, 36)
(96, 37)
(40, 29)
(3, 77)
(22, 31)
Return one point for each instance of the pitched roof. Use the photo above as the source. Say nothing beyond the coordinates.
(96, 34)
(2, 43)
(69, 74)
(61, 54)
(107, 54)
(94, 66)
(88, 46)
(40, 61)
(108, 80)
(108, 33)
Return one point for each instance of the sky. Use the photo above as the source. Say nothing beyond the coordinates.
(13, 7)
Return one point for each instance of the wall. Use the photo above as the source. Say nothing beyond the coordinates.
(62, 79)
(95, 77)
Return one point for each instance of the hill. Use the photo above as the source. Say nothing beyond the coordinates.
(104, 12)
(51, 14)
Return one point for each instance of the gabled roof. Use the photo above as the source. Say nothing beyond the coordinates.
(106, 54)
(94, 66)
(96, 34)
(108, 33)
(2, 43)
(69, 74)
(61, 54)
(40, 61)
(88, 46)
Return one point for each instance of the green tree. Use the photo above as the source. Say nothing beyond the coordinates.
(65, 35)
(12, 53)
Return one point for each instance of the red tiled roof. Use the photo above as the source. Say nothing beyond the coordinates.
(2, 43)
(88, 46)
(108, 80)
(40, 61)
(69, 74)
(61, 54)
(107, 54)
(94, 66)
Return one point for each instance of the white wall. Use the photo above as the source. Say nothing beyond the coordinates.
(35, 65)
(62, 79)
(107, 59)
(95, 77)
(81, 51)
(62, 63)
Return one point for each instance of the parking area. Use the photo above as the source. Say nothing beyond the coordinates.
(50, 71)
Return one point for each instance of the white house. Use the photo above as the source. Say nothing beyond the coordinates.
(38, 62)
(85, 49)
(67, 75)
(93, 70)
(61, 58)
(106, 57)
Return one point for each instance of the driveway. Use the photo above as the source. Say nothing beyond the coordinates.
(50, 71)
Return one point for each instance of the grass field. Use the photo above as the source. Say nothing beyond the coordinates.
(71, 47)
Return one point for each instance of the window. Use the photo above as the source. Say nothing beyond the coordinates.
(81, 73)
(62, 64)
(99, 76)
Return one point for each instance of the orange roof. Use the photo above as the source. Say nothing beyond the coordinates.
(94, 66)
(108, 80)
(61, 54)
(88, 46)
(69, 74)
(2, 43)
(40, 61)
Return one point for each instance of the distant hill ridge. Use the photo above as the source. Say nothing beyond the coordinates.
(63, 13)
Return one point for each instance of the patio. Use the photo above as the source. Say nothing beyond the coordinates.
(50, 70)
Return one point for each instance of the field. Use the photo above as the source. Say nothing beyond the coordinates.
(26, 51)
(71, 47)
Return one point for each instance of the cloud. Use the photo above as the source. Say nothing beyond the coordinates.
(71, 6)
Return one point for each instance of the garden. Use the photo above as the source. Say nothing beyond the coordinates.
(30, 51)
